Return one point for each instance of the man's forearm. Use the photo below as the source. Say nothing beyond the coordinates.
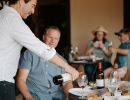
(106, 51)
(123, 51)
(59, 61)
(24, 89)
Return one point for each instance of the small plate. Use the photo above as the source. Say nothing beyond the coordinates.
(79, 92)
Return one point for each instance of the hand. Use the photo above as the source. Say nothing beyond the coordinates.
(113, 50)
(122, 72)
(101, 45)
(72, 71)
(96, 44)
(29, 98)
(115, 66)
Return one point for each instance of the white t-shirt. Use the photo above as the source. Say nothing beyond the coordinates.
(14, 34)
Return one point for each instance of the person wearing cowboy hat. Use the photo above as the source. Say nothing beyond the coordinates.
(98, 46)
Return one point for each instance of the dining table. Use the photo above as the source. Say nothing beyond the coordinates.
(84, 60)
(75, 93)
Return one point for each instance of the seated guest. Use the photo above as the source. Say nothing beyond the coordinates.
(121, 61)
(35, 75)
(98, 46)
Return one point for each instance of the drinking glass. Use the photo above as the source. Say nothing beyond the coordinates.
(113, 82)
(82, 82)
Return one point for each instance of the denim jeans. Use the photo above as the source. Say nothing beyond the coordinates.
(7, 90)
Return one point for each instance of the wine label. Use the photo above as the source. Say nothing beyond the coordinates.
(66, 77)
(99, 82)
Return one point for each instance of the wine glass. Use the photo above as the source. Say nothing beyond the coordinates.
(113, 82)
(82, 82)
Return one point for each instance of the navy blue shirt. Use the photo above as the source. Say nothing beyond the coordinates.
(41, 73)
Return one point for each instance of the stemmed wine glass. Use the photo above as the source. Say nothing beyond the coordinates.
(82, 82)
(113, 82)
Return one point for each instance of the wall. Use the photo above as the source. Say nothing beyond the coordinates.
(86, 15)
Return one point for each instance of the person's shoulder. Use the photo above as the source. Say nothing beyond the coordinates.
(89, 42)
(129, 44)
(30, 53)
(107, 41)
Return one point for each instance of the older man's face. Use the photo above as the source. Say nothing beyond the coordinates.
(52, 38)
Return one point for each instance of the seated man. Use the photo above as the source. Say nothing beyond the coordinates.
(121, 59)
(35, 75)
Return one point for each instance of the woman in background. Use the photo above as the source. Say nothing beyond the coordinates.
(98, 46)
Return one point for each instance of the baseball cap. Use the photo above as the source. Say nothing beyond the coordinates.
(123, 31)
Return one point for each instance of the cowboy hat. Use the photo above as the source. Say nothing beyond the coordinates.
(100, 29)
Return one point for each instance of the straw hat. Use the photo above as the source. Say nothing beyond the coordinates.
(100, 29)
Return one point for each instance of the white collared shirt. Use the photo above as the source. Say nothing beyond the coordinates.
(14, 34)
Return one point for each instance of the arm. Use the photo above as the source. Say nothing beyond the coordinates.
(105, 49)
(21, 33)
(66, 88)
(123, 51)
(118, 50)
(21, 83)
(60, 62)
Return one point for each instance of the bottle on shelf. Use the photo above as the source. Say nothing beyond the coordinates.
(100, 83)
(62, 78)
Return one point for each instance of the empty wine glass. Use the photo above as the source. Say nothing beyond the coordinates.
(113, 82)
(82, 82)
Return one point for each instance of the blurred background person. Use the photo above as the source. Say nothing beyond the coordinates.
(98, 46)
(122, 58)
(35, 75)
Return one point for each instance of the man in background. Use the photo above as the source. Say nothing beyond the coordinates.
(121, 61)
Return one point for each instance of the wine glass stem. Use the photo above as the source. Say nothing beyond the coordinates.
(112, 94)
(82, 93)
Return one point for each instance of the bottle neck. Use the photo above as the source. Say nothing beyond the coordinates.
(66, 77)
(100, 66)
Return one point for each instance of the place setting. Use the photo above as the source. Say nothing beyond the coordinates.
(114, 89)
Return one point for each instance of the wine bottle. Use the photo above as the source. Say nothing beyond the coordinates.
(100, 77)
(62, 78)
